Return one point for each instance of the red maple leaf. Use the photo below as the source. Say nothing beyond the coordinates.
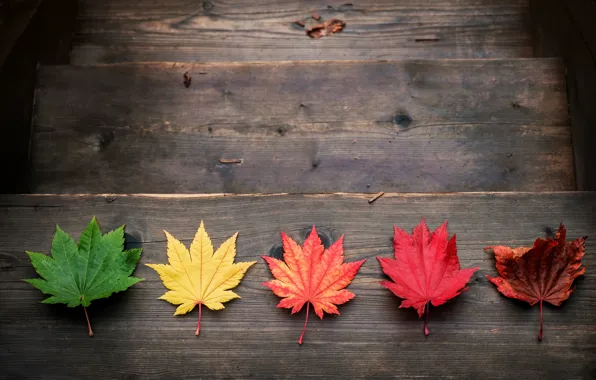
(313, 275)
(544, 272)
(425, 270)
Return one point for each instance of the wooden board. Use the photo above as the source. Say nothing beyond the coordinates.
(446, 125)
(480, 334)
(564, 29)
(15, 16)
(45, 38)
(249, 30)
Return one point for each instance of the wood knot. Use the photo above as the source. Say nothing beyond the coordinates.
(277, 251)
(403, 120)
(104, 138)
(207, 5)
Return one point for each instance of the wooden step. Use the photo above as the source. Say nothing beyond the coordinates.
(445, 125)
(14, 18)
(479, 334)
(249, 30)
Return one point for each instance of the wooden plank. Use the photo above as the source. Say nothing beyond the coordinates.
(385, 126)
(582, 13)
(249, 30)
(15, 16)
(46, 39)
(480, 334)
(564, 29)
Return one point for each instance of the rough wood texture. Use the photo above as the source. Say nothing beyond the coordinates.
(478, 335)
(248, 30)
(45, 39)
(566, 29)
(447, 125)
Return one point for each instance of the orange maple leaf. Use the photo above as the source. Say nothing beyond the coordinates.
(313, 275)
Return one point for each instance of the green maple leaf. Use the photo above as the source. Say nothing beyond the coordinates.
(76, 274)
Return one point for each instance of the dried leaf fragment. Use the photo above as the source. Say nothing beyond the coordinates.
(326, 28)
(543, 272)
(230, 160)
(187, 79)
(313, 275)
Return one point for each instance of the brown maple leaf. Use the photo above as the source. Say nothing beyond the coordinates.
(425, 270)
(313, 275)
(544, 272)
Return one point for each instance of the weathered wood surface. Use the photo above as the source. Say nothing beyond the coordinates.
(480, 334)
(15, 16)
(446, 125)
(248, 30)
(566, 29)
(46, 38)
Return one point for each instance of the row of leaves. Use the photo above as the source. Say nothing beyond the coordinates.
(424, 272)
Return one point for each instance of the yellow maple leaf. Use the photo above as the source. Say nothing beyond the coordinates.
(200, 277)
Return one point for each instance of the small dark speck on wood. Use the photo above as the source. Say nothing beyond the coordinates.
(515, 105)
(110, 199)
(230, 160)
(377, 196)
(187, 79)
(300, 23)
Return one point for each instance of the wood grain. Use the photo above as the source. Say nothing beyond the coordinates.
(564, 29)
(248, 30)
(45, 38)
(480, 334)
(446, 125)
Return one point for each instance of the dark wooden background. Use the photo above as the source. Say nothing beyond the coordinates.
(303, 127)
(478, 335)
(566, 29)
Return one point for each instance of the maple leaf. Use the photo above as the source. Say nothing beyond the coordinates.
(313, 275)
(76, 274)
(544, 272)
(425, 270)
(200, 277)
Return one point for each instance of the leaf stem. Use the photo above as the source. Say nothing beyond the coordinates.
(305, 322)
(540, 333)
(199, 323)
(88, 323)
(426, 332)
